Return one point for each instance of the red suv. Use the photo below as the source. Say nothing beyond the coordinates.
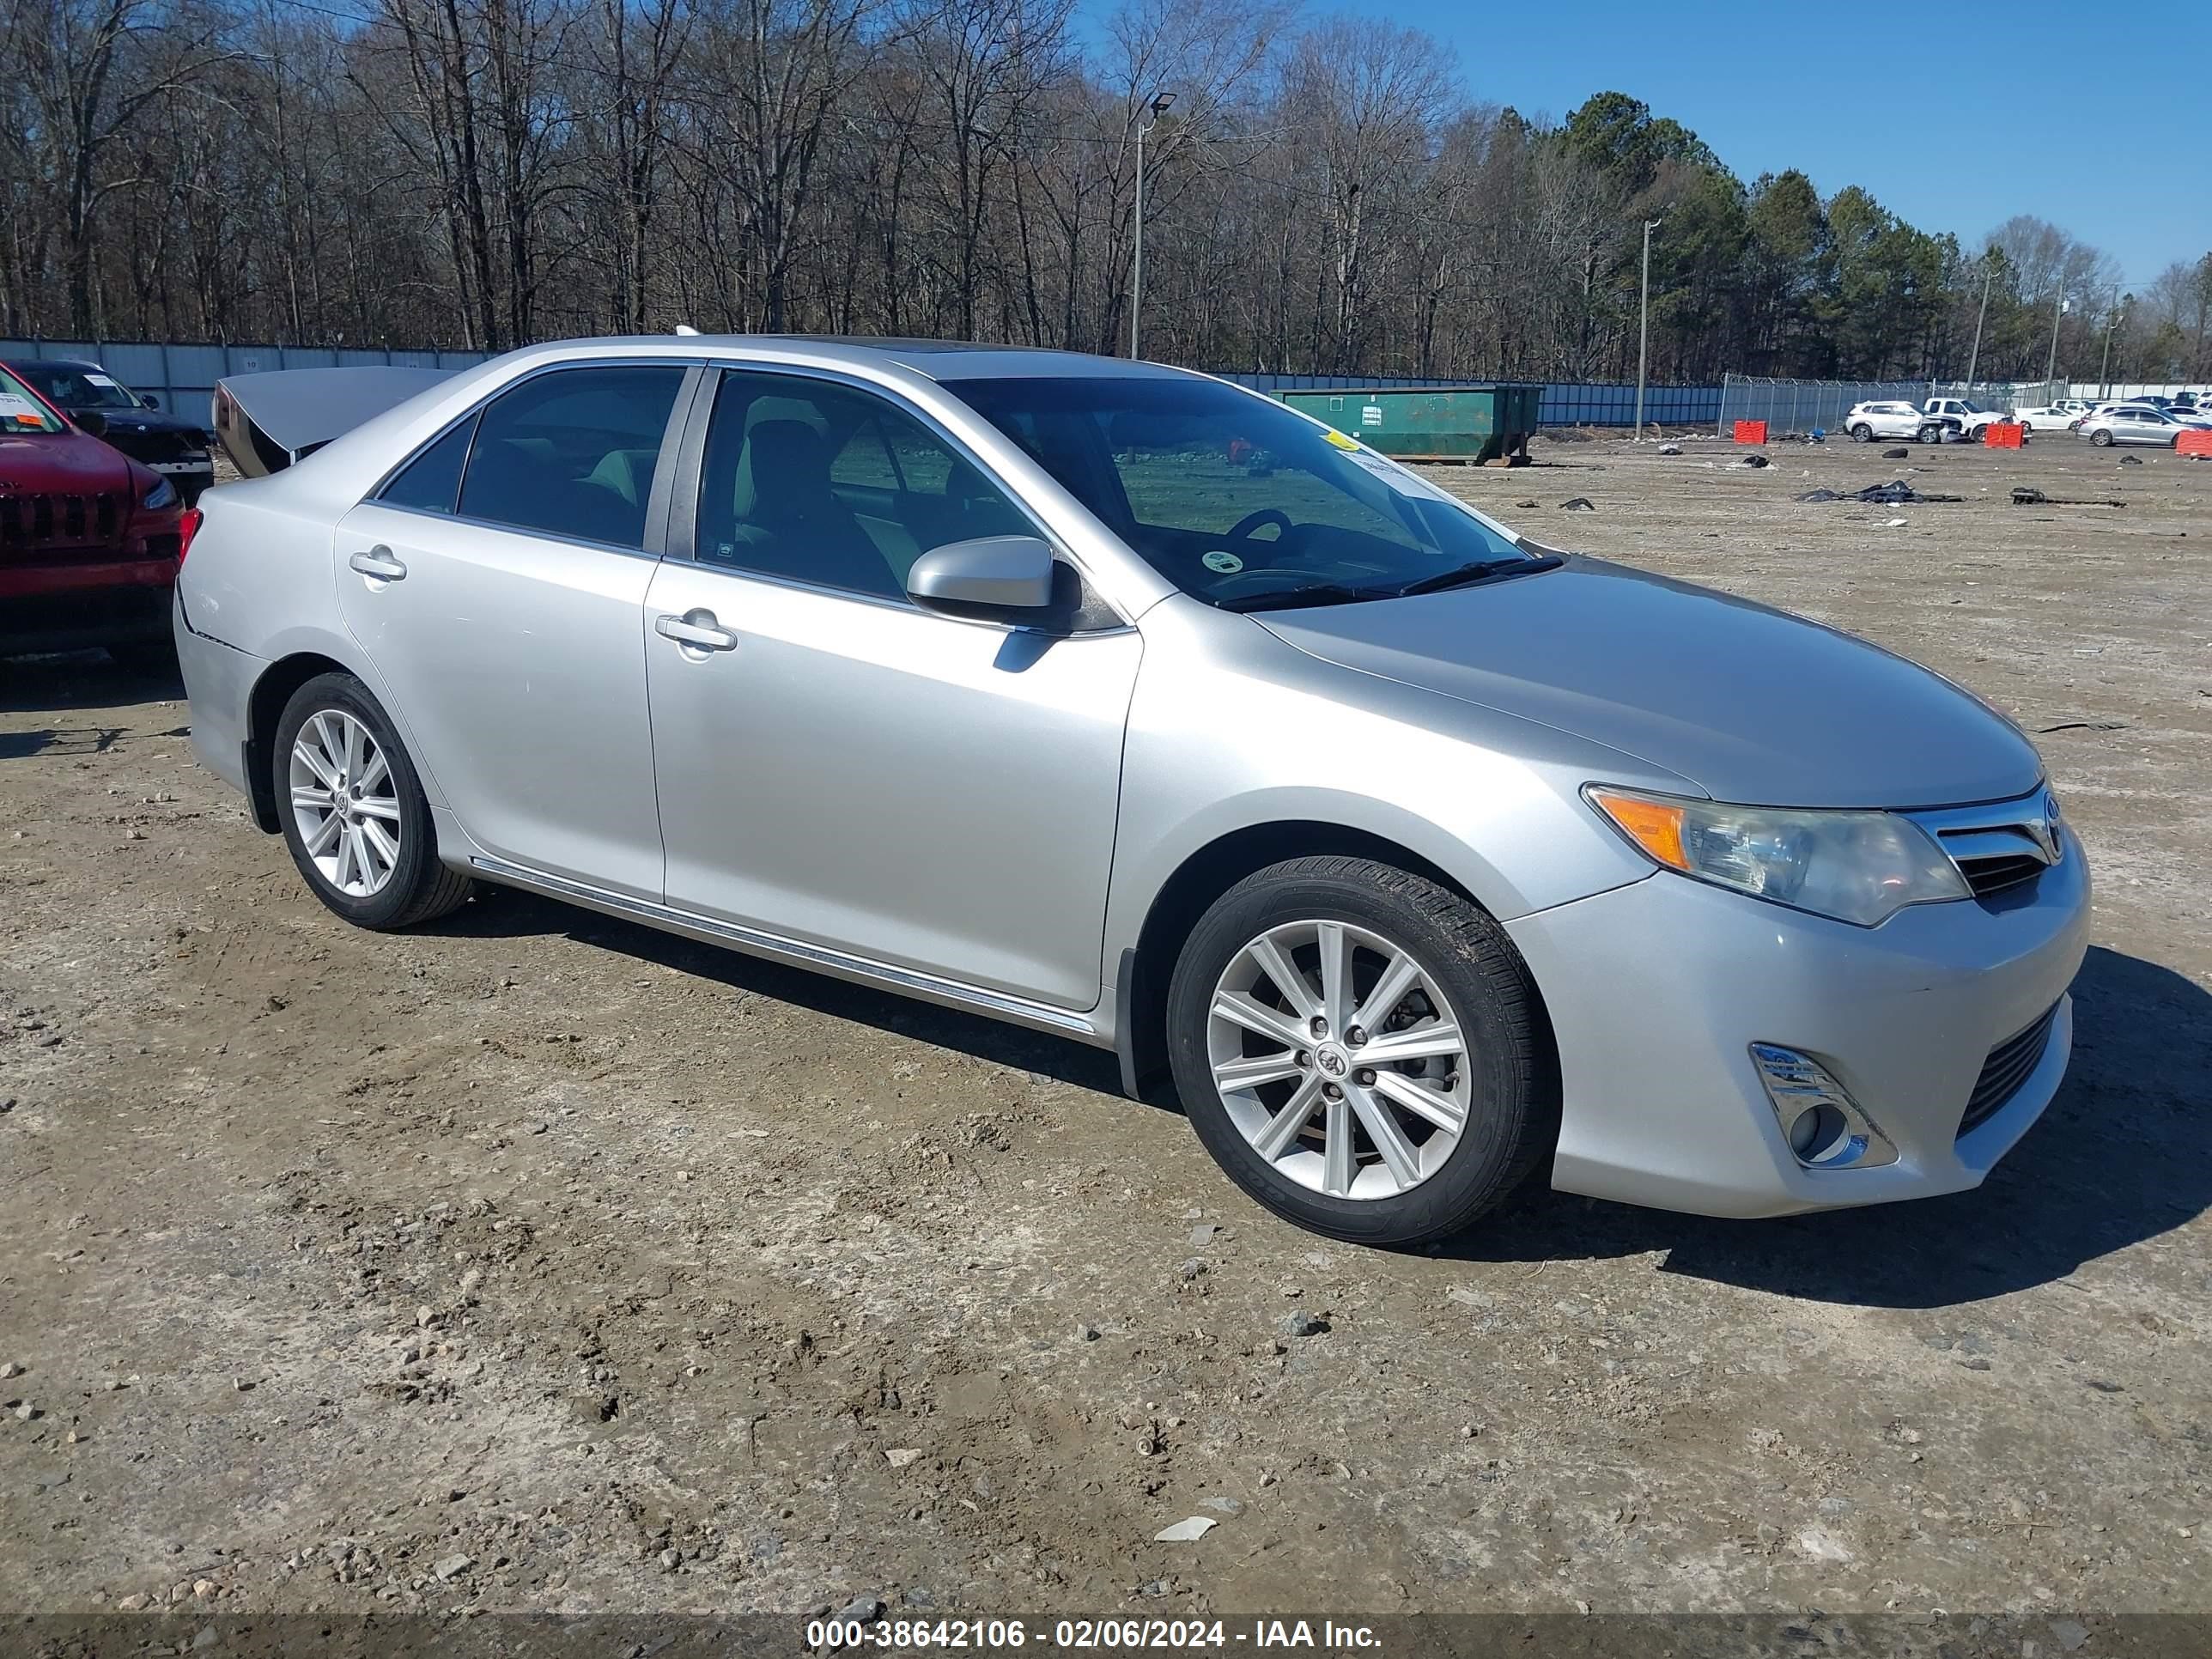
(89, 540)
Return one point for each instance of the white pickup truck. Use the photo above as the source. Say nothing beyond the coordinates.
(1965, 418)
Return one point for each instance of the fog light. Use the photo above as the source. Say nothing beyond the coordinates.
(1822, 1124)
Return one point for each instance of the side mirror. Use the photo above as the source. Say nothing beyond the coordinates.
(988, 576)
(92, 421)
(149, 400)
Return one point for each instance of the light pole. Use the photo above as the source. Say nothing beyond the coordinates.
(1643, 330)
(1156, 109)
(1973, 357)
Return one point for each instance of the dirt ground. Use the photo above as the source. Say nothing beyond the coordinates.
(540, 1262)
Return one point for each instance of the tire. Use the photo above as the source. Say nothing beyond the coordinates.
(1930, 434)
(398, 891)
(1497, 1082)
(1862, 433)
(2102, 437)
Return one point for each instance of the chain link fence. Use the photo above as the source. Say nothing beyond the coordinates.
(1811, 406)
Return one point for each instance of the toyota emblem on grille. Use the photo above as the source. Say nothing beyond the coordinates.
(2047, 831)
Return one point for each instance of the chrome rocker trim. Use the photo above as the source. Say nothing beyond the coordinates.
(795, 953)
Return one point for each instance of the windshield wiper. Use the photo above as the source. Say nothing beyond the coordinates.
(1478, 571)
(1290, 599)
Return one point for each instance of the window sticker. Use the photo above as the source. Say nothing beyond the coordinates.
(14, 406)
(1341, 442)
(98, 379)
(1223, 563)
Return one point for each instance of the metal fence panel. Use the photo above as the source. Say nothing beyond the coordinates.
(184, 377)
(1789, 406)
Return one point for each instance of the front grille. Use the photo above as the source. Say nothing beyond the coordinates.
(1999, 846)
(2007, 1066)
(1987, 876)
(31, 522)
(157, 445)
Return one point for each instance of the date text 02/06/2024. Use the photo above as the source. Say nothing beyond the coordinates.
(1110, 1633)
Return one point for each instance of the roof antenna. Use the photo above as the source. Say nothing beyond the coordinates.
(685, 329)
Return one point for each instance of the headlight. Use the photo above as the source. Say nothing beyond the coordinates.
(163, 494)
(1860, 868)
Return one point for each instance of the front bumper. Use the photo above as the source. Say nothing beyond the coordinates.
(1656, 991)
(70, 607)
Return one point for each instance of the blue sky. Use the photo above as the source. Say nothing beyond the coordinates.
(1956, 115)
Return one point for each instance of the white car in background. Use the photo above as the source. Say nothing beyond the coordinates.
(1892, 419)
(2061, 416)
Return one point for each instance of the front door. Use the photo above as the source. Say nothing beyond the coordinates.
(498, 584)
(837, 765)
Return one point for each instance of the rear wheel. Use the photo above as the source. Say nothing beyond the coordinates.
(353, 809)
(1359, 1049)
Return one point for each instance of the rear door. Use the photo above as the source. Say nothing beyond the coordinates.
(840, 767)
(498, 584)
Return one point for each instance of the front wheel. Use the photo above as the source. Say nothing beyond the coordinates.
(353, 809)
(1361, 1051)
(1930, 434)
(1862, 433)
(2102, 438)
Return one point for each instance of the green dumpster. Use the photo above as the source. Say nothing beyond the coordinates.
(1473, 423)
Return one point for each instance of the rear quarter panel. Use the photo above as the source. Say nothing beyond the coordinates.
(261, 578)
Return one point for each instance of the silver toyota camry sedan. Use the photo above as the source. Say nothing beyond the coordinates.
(1123, 703)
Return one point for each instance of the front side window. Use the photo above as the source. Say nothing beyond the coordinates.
(573, 452)
(822, 484)
(1239, 501)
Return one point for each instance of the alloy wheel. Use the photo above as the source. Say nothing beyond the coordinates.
(1339, 1059)
(345, 802)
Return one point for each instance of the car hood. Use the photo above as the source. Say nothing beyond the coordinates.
(1753, 705)
(69, 463)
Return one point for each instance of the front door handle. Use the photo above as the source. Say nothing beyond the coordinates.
(378, 562)
(696, 630)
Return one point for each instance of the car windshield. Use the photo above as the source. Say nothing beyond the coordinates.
(20, 412)
(1237, 500)
(72, 387)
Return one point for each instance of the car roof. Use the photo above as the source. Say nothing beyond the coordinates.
(937, 359)
(82, 366)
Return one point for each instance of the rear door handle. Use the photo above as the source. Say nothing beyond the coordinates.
(378, 562)
(696, 630)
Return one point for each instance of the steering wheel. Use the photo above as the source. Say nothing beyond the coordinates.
(1243, 529)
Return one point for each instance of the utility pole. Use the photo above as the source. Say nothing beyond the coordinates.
(2120, 302)
(1643, 330)
(2057, 310)
(1989, 273)
(1156, 108)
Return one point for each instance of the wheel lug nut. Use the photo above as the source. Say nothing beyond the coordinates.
(1304, 1058)
(1355, 1036)
(1330, 1091)
(1318, 1026)
(1365, 1078)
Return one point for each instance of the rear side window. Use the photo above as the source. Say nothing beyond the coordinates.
(573, 452)
(432, 480)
